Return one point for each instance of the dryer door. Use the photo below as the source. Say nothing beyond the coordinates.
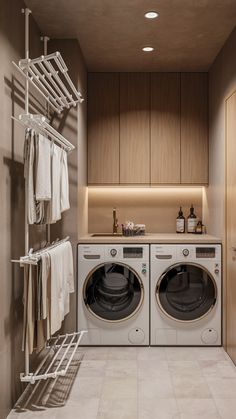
(113, 292)
(186, 292)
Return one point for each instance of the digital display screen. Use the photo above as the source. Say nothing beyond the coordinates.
(205, 252)
(132, 252)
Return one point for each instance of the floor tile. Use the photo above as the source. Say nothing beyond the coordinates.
(118, 388)
(92, 368)
(152, 369)
(157, 408)
(85, 387)
(122, 353)
(155, 388)
(220, 369)
(209, 353)
(91, 353)
(197, 407)
(226, 408)
(85, 408)
(185, 368)
(190, 387)
(151, 353)
(180, 354)
(223, 388)
(118, 409)
(121, 369)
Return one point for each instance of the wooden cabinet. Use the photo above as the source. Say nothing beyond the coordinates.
(134, 128)
(148, 128)
(194, 128)
(165, 128)
(103, 128)
(231, 226)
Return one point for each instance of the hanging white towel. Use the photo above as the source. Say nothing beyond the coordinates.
(65, 204)
(62, 283)
(69, 275)
(55, 204)
(43, 169)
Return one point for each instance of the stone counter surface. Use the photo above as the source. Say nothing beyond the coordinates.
(152, 238)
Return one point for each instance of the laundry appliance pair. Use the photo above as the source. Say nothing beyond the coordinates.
(159, 294)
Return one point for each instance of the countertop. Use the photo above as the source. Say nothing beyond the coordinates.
(152, 238)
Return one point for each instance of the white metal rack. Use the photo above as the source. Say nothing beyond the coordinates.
(60, 353)
(49, 75)
(41, 125)
(32, 258)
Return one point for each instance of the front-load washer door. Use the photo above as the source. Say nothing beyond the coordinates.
(186, 292)
(113, 292)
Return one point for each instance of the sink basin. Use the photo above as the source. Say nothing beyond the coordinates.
(107, 235)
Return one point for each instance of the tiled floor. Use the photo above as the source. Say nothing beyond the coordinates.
(139, 383)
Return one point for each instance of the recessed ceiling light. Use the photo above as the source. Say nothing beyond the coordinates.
(148, 49)
(151, 15)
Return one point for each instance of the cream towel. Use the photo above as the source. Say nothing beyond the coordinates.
(65, 204)
(55, 204)
(43, 169)
(62, 283)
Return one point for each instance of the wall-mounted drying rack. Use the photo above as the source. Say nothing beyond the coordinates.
(41, 125)
(49, 75)
(32, 257)
(60, 353)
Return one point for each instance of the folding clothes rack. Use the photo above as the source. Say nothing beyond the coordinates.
(49, 75)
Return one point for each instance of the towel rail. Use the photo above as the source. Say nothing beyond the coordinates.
(40, 124)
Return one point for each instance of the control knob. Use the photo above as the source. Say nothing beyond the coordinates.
(185, 252)
(113, 252)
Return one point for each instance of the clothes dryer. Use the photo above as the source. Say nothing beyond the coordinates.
(186, 295)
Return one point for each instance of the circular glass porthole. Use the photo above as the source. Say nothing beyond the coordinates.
(186, 292)
(113, 292)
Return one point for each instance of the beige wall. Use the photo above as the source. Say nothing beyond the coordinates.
(12, 185)
(155, 207)
(73, 125)
(222, 81)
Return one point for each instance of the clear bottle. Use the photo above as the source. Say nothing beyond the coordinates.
(180, 222)
(192, 221)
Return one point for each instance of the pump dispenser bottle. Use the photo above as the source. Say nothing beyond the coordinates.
(180, 222)
(192, 221)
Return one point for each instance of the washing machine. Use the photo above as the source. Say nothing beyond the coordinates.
(185, 295)
(113, 294)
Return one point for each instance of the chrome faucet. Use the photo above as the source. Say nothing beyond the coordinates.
(115, 222)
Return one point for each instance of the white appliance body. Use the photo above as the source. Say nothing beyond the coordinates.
(113, 294)
(185, 295)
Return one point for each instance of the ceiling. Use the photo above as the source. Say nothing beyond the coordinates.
(187, 36)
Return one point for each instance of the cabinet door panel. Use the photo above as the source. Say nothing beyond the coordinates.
(165, 128)
(103, 128)
(135, 128)
(231, 226)
(194, 128)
